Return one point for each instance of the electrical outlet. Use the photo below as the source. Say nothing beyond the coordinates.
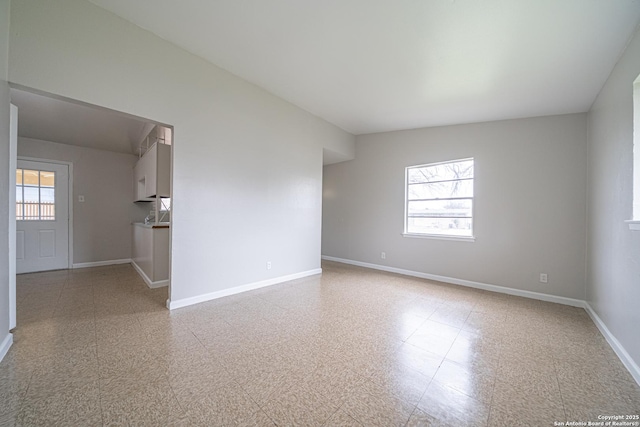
(268, 265)
(383, 255)
(544, 278)
(81, 199)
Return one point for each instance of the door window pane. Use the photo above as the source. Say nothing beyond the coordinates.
(47, 204)
(47, 179)
(31, 195)
(31, 177)
(35, 195)
(47, 195)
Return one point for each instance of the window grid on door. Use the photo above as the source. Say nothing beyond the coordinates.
(35, 195)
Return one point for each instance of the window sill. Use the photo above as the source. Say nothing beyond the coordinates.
(439, 237)
(634, 224)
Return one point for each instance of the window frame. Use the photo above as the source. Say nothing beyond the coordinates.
(406, 233)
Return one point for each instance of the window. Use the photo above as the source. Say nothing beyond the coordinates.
(35, 195)
(165, 204)
(439, 199)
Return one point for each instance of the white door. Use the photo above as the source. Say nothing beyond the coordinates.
(42, 216)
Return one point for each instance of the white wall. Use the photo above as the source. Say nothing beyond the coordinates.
(4, 178)
(247, 165)
(102, 223)
(529, 215)
(613, 285)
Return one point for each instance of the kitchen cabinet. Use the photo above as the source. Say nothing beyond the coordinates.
(152, 183)
(151, 253)
(152, 174)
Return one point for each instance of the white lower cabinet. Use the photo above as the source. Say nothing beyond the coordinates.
(151, 253)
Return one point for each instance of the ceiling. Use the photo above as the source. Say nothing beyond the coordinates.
(57, 120)
(373, 65)
(379, 65)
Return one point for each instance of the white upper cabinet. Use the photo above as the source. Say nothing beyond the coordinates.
(152, 173)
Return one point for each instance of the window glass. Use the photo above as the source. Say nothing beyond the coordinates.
(35, 195)
(439, 199)
(47, 179)
(31, 195)
(441, 190)
(31, 177)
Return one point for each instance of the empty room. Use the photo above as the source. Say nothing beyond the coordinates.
(320, 213)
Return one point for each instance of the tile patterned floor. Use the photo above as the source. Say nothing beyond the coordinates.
(352, 347)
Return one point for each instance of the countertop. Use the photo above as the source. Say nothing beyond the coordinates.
(158, 225)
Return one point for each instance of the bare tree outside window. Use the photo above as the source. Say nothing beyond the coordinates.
(439, 199)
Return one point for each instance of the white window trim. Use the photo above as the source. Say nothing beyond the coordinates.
(468, 239)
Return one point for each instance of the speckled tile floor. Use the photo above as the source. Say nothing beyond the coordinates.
(353, 347)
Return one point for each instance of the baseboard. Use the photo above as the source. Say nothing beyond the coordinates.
(6, 345)
(468, 283)
(101, 263)
(172, 305)
(624, 357)
(150, 283)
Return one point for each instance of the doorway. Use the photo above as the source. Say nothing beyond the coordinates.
(99, 149)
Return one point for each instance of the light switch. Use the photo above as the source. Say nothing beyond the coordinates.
(81, 199)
